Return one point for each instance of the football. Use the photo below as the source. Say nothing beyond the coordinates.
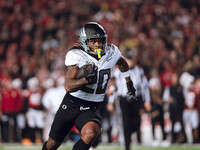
(84, 70)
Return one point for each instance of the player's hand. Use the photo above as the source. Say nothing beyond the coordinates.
(92, 76)
(131, 91)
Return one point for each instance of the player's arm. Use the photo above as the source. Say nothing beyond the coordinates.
(124, 68)
(77, 77)
(71, 83)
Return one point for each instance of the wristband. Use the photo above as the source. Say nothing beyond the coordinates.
(126, 74)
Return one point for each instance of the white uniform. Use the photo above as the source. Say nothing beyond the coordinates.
(190, 113)
(51, 101)
(94, 92)
(53, 98)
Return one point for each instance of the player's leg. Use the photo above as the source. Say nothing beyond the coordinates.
(62, 124)
(89, 133)
(194, 124)
(57, 134)
(89, 125)
(30, 115)
(39, 116)
(127, 121)
(51, 144)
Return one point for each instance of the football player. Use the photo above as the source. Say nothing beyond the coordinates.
(35, 114)
(80, 106)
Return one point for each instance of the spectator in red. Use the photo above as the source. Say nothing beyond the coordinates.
(11, 104)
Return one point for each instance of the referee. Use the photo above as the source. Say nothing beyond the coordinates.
(132, 109)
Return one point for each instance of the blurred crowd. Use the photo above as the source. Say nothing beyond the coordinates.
(35, 36)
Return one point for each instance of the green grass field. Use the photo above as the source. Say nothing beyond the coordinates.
(105, 147)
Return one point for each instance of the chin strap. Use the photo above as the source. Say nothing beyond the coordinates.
(98, 52)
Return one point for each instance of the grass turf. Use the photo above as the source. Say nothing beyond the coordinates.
(105, 147)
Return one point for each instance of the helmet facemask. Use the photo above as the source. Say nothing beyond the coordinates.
(91, 31)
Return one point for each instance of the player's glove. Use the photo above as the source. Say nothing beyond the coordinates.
(131, 91)
(92, 76)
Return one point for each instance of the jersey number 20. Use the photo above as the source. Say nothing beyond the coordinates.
(100, 87)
